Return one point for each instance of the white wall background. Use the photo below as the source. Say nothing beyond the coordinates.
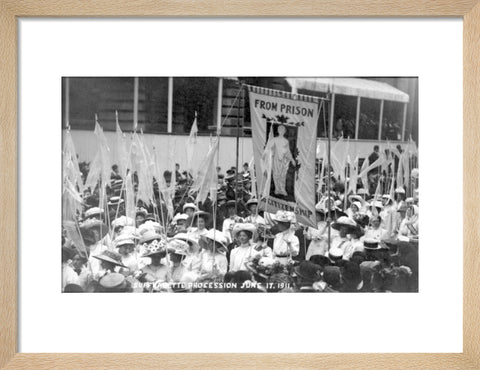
(86, 146)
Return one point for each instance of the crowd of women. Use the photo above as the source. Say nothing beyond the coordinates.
(362, 243)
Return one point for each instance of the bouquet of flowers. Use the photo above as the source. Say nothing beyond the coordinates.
(265, 266)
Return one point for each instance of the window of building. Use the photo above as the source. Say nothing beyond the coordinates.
(345, 114)
(194, 94)
(369, 116)
(392, 120)
(153, 104)
(102, 96)
(235, 108)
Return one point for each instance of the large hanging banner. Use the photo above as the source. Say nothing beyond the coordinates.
(284, 133)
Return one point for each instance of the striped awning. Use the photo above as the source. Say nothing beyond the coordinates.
(350, 86)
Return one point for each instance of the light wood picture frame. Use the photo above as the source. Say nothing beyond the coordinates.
(10, 10)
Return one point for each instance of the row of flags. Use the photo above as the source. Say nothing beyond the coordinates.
(345, 165)
(133, 155)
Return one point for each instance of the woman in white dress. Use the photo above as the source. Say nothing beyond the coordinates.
(213, 260)
(254, 217)
(199, 222)
(245, 251)
(155, 248)
(409, 225)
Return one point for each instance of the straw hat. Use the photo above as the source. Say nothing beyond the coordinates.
(192, 242)
(252, 201)
(178, 246)
(88, 226)
(123, 221)
(345, 221)
(180, 217)
(230, 203)
(94, 211)
(150, 226)
(141, 211)
(149, 235)
(372, 244)
(124, 239)
(110, 256)
(284, 216)
(115, 201)
(190, 205)
(335, 253)
(376, 204)
(201, 214)
(217, 236)
(243, 227)
(362, 191)
(113, 280)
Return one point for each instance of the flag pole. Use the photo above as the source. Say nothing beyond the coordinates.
(238, 143)
(329, 179)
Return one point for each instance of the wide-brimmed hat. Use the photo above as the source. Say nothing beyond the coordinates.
(345, 221)
(371, 244)
(387, 197)
(150, 226)
(94, 211)
(308, 271)
(148, 236)
(178, 246)
(112, 257)
(376, 204)
(335, 253)
(124, 239)
(355, 197)
(284, 216)
(400, 190)
(201, 214)
(252, 201)
(141, 211)
(123, 221)
(156, 246)
(113, 280)
(243, 227)
(88, 226)
(192, 242)
(190, 205)
(362, 191)
(217, 236)
(230, 203)
(180, 217)
(115, 201)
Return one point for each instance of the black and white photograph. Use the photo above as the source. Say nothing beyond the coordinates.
(240, 184)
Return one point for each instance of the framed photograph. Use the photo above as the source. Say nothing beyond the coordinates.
(216, 175)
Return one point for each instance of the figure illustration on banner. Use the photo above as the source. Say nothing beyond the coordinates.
(281, 146)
